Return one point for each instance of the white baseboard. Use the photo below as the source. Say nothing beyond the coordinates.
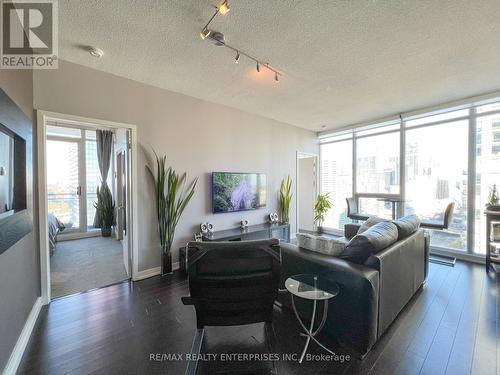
(145, 274)
(22, 341)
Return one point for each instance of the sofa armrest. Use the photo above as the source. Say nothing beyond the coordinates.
(353, 313)
(402, 271)
(350, 230)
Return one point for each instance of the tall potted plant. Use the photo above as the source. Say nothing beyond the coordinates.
(321, 207)
(285, 199)
(105, 210)
(172, 197)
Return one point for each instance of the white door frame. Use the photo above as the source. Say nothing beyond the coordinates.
(42, 118)
(301, 155)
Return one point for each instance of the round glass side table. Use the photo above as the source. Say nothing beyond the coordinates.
(315, 288)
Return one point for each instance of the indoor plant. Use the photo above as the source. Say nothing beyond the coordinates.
(322, 206)
(493, 197)
(172, 197)
(285, 199)
(105, 210)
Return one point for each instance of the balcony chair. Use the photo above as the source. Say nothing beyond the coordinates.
(352, 210)
(231, 283)
(441, 225)
(438, 224)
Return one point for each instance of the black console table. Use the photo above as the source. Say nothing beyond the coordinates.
(252, 232)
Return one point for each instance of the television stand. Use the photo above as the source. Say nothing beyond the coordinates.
(252, 232)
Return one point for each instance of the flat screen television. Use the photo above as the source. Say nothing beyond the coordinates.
(232, 192)
(12, 172)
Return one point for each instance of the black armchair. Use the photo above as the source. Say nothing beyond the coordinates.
(352, 210)
(231, 283)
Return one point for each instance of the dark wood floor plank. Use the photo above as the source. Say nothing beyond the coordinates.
(438, 353)
(484, 361)
(395, 350)
(114, 330)
(460, 357)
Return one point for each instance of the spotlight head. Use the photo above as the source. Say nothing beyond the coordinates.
(276, 78)
(237, 58)
(205, 33)
(258, 67)
(224, 8)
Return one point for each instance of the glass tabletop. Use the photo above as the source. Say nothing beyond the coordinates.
(312, 287)
(394, 200)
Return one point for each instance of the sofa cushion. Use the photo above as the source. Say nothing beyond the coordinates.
(406, 225)
(328, 246)
(372, 220)
(371, 241)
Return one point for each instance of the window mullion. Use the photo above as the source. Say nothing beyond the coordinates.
(471, 181)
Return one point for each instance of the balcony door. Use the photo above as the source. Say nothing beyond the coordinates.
(64, 187)
(72, 177)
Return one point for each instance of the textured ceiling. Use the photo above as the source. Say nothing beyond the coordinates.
(344, 61)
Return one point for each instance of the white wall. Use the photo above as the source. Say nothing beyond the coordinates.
(198, 137)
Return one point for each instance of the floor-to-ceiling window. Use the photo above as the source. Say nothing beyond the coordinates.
(377, 168)
(427, 161)
(487, 167)
(336, 177)
(436, 174)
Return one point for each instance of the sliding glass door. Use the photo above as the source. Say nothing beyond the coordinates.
(73, 176)
(63, 181)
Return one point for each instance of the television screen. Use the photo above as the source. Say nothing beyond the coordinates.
(12, 172)
(6, 172)
(233, 192)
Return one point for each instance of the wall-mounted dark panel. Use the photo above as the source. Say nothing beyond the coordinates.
(16, 171)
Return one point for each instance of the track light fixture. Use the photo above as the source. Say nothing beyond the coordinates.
(224, 8)
(218, 39)
(205, 33)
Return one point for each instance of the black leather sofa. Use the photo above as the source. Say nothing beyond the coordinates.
(371, 295)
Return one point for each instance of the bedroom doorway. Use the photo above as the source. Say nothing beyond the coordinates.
(78, 157)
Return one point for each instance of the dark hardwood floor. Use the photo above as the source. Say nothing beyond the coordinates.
(450, 327)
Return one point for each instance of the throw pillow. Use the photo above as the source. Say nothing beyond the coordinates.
(406, 225)
(372, 220)
(373, 240)
(327, 246)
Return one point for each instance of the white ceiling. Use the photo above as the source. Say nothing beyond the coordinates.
(344, 61)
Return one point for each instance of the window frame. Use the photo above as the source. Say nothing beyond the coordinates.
(473, 114)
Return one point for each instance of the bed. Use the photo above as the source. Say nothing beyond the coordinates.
(55, 226)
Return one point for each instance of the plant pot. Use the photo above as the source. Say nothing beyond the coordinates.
(319, 229)
(106, 232)
(166, 263)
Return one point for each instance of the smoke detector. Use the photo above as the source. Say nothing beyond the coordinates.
(96, 52)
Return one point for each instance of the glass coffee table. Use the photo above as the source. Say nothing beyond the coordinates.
(315, 288)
